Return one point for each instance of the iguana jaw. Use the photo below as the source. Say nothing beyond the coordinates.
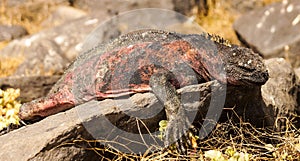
(256, 79)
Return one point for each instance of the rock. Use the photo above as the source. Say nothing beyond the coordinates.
(140, 19)
(243, 6)
(189, 7)
(297, 72)
(273, 30)
(63, 14)
(247, 104)
(122, 123)
(26, 3)
(281, 91)
(8, 33)
(43, 58)
(31, 87)
(45, 139)
(96, 120)
(48, 52)
(111, 8)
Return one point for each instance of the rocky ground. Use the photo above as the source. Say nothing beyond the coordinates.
(40, 39)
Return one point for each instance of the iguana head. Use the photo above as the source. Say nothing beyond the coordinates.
(243, 66)
(226, 62)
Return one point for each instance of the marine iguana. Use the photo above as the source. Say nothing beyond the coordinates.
(148, 60)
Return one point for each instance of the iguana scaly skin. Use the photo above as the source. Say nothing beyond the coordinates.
(126, 64)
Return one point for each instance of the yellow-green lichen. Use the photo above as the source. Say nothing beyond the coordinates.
(9, 107)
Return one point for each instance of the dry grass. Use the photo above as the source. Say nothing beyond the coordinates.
(9, 65)
(29, 14)
(219, 20)
(3, 44)
(231, 140)
(266, 2)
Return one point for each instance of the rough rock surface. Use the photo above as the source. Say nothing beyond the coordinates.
(44, 139)
(116, 120)
(273, 30)
(37, 141)
(46, 52)
(11, 32)
(111, 8)
(31, 87)
(281, 91)
(19, 3)
(247, 104)
(243, 6)
(297, 72)
(63, 14)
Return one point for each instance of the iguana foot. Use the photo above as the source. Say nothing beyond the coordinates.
(178, 123)
(177, 134)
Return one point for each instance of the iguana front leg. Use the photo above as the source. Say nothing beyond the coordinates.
(178, 123)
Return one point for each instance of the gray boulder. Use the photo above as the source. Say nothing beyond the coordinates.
(49, 51)
(104, 8)
(297, 72)
(112, 121)
(281, 91)
(8, 33)
(243, 6)
(273, 31)
(61, 15)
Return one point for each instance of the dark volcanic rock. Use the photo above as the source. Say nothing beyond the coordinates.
(281, 90)
(31, 87)
(246, 103)
(11, 32)
(273, 30)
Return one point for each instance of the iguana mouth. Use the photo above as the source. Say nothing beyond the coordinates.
(256, 79)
